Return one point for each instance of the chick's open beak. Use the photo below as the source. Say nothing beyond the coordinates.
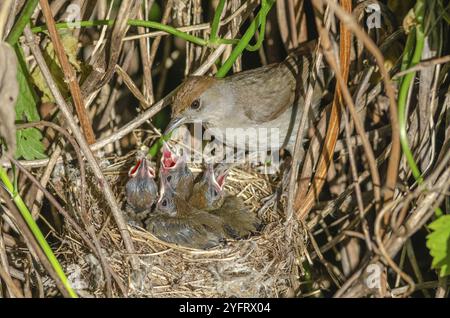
(175, 123)
(210, 175)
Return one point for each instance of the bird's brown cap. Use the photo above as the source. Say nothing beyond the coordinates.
(189, 91)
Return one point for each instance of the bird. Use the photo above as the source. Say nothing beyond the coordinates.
(174, 220)
(270, 96)
(141, 191)
(175, 168)
(209, 195)
(208, 192)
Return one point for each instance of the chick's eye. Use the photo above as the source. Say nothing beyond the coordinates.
(164, 203)
(195, 104)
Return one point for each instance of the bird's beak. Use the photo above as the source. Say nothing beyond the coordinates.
(174, 123)
(212, 177)
(145, 170)
(168, 159)
(220, 174)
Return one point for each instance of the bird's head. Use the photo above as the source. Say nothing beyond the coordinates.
(199, 99)
(166, 202)
(209, 193)
(141, 189)
(176, 172)
(142, 170)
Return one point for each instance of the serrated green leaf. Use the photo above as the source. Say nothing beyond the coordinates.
(29, 141)
(438, 242)
(29, 144)
(26, 102)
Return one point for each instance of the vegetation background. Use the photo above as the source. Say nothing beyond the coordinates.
(84, 84)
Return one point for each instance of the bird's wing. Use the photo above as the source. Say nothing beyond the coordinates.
(281, 84)
(173, 230)
(239, 221)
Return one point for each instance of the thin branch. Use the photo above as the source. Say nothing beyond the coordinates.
(69, 73)
(394, 159)
(103, 184)
(141, 118)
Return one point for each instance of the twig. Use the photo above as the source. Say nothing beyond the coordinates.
(190, 28)
(96, 248)
(12, 288)
(415, 221)
(299, 139)
(387, 257)
(31, 242)
(3, 257)
(351, 107)
(113, 96)
(69, 73)
(147, 81)
(394, 159)
(423, 65)
(140, 119)
(103, 65)
(303, 205)
(103, 184)
(358, 192)
(44, 179)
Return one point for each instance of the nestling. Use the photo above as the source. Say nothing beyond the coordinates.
(174, 168)
(141, 190)
(175, 221)
(209, 195)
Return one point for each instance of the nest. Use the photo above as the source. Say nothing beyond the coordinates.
(263, 265)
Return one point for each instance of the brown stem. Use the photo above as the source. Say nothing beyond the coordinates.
(103, 184)
(31, 241)
(69, 73)
(394, 159)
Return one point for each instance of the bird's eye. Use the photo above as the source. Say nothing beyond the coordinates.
(195, 104)
(168, 178)
(164, 203)
(215, 193)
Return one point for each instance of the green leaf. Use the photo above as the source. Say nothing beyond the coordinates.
(29, 144)
(26, 102)
(29, 141)
(155, 12)
(438, 242)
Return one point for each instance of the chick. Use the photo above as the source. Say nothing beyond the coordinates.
(141, 191)
(175, 169)
(209, 195)
(175, 221)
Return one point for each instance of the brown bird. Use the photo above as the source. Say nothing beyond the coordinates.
(174, 168)
(175, 221)
(209, 195)
(271, 96)
(141, 191)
